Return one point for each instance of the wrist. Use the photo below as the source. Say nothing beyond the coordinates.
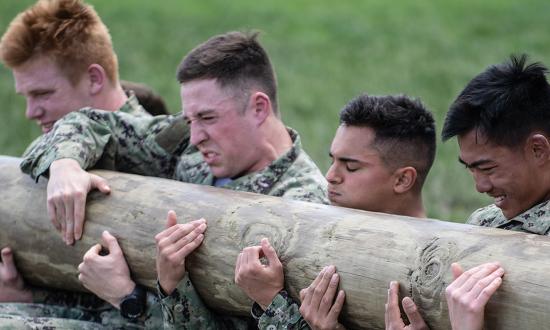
(63, 164)
(266, 300)
(126, 290)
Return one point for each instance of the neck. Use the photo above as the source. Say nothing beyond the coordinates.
(274, 142)
(110, 99)
(411, 206)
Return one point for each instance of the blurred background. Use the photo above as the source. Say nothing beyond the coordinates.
(324, 53)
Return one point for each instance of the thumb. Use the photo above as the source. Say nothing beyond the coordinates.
(110, 242)
(413, 314)
(7, 261)
(171, 219)
(456, 270)
(269, 252)
(99, 183)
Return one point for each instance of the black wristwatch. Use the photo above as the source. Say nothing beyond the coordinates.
(133, 305)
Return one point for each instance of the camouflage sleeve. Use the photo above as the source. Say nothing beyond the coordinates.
(282, 313)
(184, 309)
(111, 140)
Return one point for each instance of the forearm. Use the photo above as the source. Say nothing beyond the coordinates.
(184, 309)
(110, 140)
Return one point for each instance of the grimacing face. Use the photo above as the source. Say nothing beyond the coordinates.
(509, 176)
(48, 92)
(223, 133)
(358, 178)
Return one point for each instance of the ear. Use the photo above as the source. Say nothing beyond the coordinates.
(261, 107)
(405, 178)
(97, 78)
(538, 147)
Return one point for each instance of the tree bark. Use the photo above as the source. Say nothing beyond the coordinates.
(368, 249)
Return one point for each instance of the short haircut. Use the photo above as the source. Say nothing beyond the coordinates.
(505, 103)
(404, 128)
(152, 102)
(68, 31)
(234, 59)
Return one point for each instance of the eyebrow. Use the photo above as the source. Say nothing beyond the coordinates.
(344, 159)
(200, 113)
(474, 164)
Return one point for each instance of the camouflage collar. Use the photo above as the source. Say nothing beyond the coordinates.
(132, 105)
(262, 181)
(536, 220)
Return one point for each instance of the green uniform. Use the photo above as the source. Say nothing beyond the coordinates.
(53, 309)
(160, 147)
(536, 220)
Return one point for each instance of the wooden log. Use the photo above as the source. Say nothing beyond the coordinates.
(368, 249)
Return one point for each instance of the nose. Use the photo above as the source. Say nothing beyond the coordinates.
(198, 134)
(483, 183)
(34, 110)
(332, 176)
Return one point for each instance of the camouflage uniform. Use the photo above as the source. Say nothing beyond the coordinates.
(160, 147)
(536, 220)
(52, 309)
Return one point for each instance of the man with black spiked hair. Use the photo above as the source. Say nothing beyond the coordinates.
(502, 123)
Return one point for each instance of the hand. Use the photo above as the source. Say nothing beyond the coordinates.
(12, 286)
(393, 315)
(68, 187)
(174, 244)
(468, 294)
(260, 282)
(317, 307)
(108, 276)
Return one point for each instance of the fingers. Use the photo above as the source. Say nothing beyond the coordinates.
(79, 213)
(8, 264)
(415, 319)
(176, 231)
(457, 270)
(171, 219)
(269, 252)
(110, 242)
(60, 216)
(52, 215)
(308, 292)
(99, 183)
(322, 286)
(328, 297)
(393, 313)
(473, 276)
(489, 290)
(337, 306)
(238, 267)
(69, 221)
(189, 242)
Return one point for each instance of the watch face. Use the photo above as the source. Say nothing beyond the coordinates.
(131, 308)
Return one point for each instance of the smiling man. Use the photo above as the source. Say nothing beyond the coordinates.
(502, 122)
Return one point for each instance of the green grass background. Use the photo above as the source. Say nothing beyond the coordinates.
(325, 53)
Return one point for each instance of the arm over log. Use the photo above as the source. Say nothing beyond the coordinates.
(368, 249)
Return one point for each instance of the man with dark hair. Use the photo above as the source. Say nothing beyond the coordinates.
(228, 136)
(381, 155)
(502, 122)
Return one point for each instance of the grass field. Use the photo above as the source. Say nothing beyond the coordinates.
(324, 53)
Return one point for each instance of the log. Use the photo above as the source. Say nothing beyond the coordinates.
(368, 249)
